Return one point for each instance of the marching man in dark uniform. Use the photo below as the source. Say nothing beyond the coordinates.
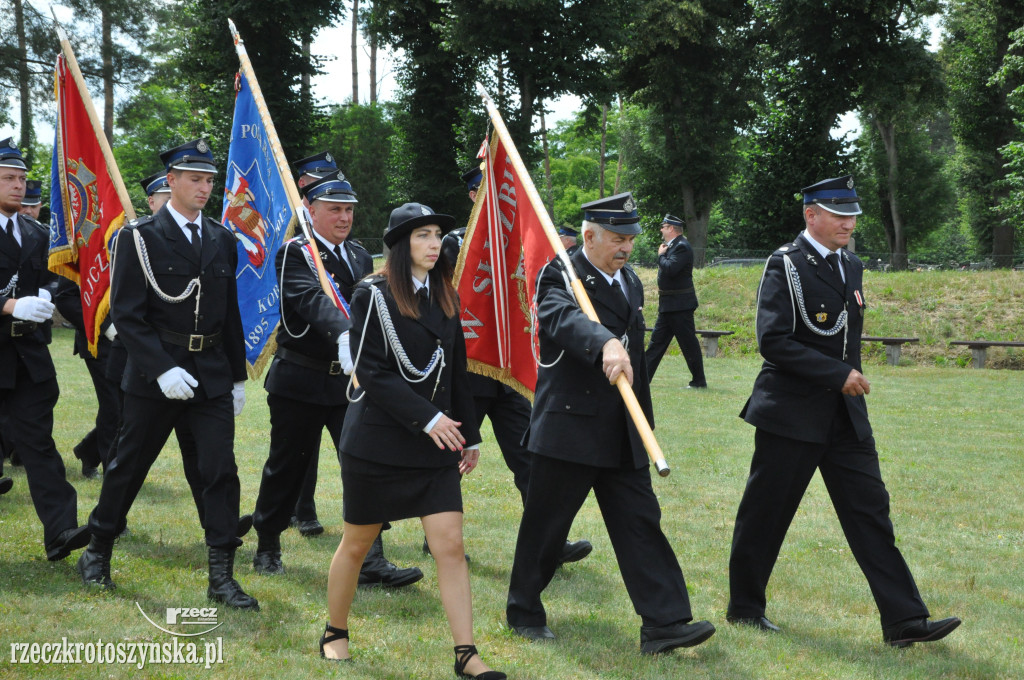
(28, 380)
(677, 301)
(307, 380)
(582, 439)
(810, 413)
(508, 411)
(175, 305)
(569, 238)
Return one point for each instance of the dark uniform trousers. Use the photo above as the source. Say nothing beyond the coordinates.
(28, 384)
(97, 446)
(779, 474)
(146, 427)
(186, 442)
(509, 412)
(646, 561)
(140, 316)
(679, 325)
(295, 433)
(581, 439)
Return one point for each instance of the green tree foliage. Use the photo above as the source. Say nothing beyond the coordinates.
(361, 138)
(976, 41)
(439, 120)
(690, 64)
(900, 85)
(531, 51)
(812, 58)
(575, 148)
(273, 35)
(1011, 206)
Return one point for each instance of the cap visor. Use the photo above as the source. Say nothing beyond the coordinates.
(195, 167)
(625, 229)
(841, 208)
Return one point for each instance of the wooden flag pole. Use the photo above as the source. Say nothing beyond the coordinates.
(632, 405)
(294, 200)
(94, 119)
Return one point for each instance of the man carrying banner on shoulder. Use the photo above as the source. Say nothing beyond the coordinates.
(307, 380)
(175, 306)
(583, 439)
(28, 380)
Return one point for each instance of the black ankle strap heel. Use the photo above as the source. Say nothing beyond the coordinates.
(330, 635)
(463, 653)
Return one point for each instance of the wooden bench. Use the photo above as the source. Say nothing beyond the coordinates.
(893, 346)
(710, 341)
(979, 348)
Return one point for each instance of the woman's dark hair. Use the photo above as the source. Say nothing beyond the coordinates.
(398, 270)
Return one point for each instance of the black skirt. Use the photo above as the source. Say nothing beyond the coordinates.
(374, 493)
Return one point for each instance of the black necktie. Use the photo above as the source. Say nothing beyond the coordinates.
(337, 254)
(197, 242)
(424, 294)
(617, 286)
(833, 262)
(10, 234)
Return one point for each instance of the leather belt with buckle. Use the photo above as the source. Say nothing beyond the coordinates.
(20, 328)
(194, 342)
(321, 365)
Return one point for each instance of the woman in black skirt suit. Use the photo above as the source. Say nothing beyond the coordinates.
(409, 433)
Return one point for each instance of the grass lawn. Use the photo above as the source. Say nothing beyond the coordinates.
(951, 445)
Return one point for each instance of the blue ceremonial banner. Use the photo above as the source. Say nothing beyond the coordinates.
(257, 211)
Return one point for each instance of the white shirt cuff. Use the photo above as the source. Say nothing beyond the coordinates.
(433, 421)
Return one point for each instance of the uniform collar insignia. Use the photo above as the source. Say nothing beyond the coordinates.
(590, 278)
(813, 260)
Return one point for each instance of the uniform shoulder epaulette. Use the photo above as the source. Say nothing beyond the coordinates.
(298, 239)
(788, 248)
(360, 246)
(373, 280)
(138, 222)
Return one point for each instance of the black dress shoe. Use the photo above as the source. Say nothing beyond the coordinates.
(310, 527)
(574, 551)
(919, 630)
(268, 562)
(94, 567)
(6, 484)
(244, 525)
(66, 541)
(535, 633)
(697, 386)
(658, 639)
(759, 622)
(90, 471)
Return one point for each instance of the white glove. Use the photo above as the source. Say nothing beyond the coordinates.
(45, 294)
(177, 383)
(110, 333)
(32, 309)
(345, 354)
(238, 397)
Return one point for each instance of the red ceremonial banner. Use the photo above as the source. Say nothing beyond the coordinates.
(84, 203)
(496, 275)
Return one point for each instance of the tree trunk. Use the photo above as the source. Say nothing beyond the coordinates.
(898, 242)
(355, 52)
(604, 146)
(696, 225)
(618, 166)
(373, 61)
(305, 94)
(550, 202)
(107, 50)
(24, 86)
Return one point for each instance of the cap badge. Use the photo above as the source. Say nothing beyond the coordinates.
(425, 210)
(629, 205)
(328, 158)
(201, 146)
(849, 183)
